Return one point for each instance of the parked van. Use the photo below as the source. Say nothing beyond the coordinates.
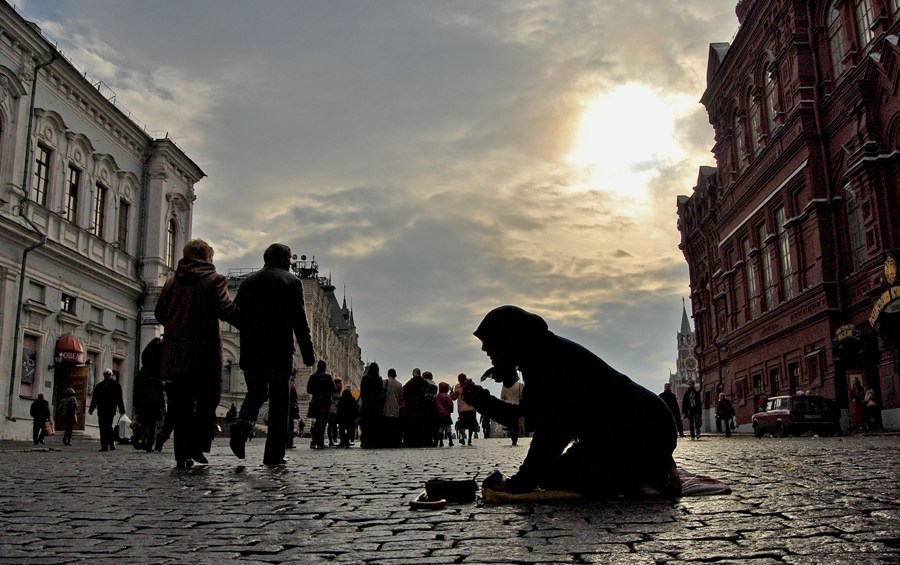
(797, 414)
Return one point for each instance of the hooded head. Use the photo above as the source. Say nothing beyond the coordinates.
(444, 387)
(508, 335)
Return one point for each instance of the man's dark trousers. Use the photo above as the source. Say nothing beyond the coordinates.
(273, 384)
(105, 421)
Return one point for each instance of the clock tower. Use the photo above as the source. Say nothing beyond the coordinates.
(686, 364)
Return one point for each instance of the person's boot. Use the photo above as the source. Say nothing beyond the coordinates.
(237, 441)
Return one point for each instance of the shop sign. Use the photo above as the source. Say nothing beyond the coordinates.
(846, 332)
(888, 303)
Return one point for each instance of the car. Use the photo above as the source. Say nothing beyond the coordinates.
(797, 414)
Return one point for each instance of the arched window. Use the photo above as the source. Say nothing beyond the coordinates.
(895, 6)
(865, 18)
(171, 245)
(739, 145)
(755, 122)
(837, 44)
(769, 93)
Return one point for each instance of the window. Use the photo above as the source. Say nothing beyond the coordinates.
(865, 18)
(97, 315)
(836, 42)
(784, 253)
(99, 211)
(895, 6)
(739, 148)
(37, 292)
(170, 244)
(41, 174)
(122, 238)
(122, 324)
(755, 123)
(766, 266)
(769, 93)
(774, 384)
(73, 181)
(67, 303)
(855, 224)
(752, 288)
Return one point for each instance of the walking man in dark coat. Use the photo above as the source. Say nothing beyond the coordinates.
(272, 315)
(107, 396)
(672, 403)
(692, 409)
(623, 435)
(40, 413)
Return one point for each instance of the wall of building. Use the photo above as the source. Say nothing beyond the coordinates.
(81, 280)
(803, 202)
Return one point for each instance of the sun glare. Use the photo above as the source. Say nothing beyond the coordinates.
(624, 135)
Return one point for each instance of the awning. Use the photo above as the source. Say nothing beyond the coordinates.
(69, 349)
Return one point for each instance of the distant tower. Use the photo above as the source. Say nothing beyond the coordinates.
(686, 364)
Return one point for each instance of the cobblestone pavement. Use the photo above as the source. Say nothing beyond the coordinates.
(796, 500)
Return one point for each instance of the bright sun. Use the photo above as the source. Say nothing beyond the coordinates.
(624, 135)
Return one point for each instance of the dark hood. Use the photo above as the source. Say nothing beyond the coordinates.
(192, 270)
(513, 326)
(516, 333)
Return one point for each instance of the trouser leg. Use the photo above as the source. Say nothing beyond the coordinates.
(105, 421)
(181, 409)
(208, 396)
(279, 414)
(257, 394)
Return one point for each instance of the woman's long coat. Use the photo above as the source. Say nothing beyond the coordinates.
(190, 308)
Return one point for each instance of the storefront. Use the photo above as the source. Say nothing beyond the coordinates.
(884, 321)
(70, 372)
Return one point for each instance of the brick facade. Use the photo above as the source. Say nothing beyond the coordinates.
(787, 237)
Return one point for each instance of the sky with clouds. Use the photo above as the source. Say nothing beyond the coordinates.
(438, 158)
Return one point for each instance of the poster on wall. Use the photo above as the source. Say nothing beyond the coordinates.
(29, 363)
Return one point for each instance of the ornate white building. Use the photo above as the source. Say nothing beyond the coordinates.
(93, 214)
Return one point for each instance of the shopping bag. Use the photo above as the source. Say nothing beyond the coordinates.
(49, 428)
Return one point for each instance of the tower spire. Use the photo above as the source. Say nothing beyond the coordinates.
(685, 323)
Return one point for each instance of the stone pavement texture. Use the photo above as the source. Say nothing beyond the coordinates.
(796, 500)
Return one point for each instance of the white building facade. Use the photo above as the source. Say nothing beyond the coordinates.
(93, 214)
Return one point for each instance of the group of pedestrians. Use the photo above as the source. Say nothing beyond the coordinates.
(417, 413)
(692, 410)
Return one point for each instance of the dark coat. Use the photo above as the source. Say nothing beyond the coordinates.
(189, 307)
(416, 398)
(40, 411)
(67, 409)
(691, 397)
(321, 387)
(671, 402)
(371, 390)
(572, 394)
(149, 401)
(724, 409)
(347, 409)
(272, 315)
(107, 396)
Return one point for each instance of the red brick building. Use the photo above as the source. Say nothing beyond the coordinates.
(793, 239)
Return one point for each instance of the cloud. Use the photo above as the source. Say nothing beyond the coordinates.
(417, 150)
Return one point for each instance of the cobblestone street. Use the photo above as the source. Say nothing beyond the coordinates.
(795, 500)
